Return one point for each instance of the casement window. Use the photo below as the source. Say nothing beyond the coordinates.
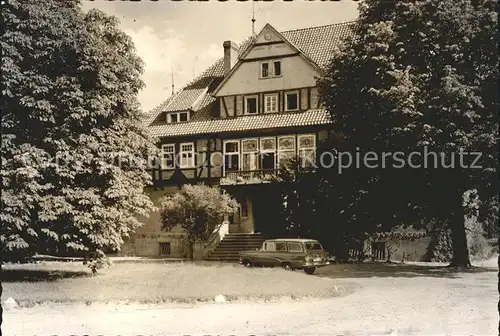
(286, 150)
(268, 153)
(307, 149)
(250, 154)
(264, 70)
(291, 101)
(176, 117)
(271, 103)
(251, 105)
(168, 156)
(186, 155)
(270, 69)
(231, 155)
(277, 68)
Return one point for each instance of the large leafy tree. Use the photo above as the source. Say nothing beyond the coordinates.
(417, 77)
(198, 209)
(74, 153)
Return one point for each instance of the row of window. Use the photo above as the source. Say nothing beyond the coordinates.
(176, 117)
(270, 69)
(291, 246)
(186, 156)
(271, 103)
(282, 247)
(251, 106)
(266, 153)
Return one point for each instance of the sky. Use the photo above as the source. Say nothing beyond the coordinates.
(188, 35)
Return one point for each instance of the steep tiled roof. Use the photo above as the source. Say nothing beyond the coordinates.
(151, 116)
(316, 43)
(244, 123)
(186, 97)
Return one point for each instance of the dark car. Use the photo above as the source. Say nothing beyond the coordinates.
(304, 254)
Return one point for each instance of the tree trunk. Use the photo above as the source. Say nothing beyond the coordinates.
(498, 306)
(1, 292)
(459, 238)
(342, 250)
(191, 250)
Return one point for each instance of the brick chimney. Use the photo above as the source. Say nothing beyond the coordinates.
(230, 56)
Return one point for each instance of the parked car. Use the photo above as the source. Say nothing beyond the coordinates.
(304, 254)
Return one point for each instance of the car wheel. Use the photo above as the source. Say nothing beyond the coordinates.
(309, 270)
(287, 266)
(247, 263)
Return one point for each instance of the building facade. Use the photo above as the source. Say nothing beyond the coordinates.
(236, 124)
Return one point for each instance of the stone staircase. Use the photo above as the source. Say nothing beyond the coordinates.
(233, 243)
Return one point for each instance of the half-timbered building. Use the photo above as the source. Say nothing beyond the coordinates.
(249, 113)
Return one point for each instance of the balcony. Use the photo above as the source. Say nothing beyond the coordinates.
(250, 177)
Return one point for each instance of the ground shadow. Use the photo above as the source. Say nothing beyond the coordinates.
(21, 275)
(368, 270)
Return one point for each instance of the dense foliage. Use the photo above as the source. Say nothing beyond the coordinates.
(198, 209)
(419, 76)
(413, 88)
(74, 152)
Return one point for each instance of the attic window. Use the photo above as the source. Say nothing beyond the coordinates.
(277, 68)
(264, 70)
(270, 69)
(177, 117)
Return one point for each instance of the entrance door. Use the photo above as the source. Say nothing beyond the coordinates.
(267, 211)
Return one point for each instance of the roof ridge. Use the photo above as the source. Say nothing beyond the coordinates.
(325, 25)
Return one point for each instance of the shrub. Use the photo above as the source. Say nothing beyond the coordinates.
(478, 245)
(440, 250)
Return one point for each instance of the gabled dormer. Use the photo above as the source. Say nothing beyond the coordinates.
(177, 117)
(270, 76)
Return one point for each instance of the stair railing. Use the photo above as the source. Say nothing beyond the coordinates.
(216, 237)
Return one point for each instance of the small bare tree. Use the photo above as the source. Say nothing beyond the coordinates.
(198, 209)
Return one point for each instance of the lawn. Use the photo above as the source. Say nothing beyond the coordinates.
(413, 299)
(66, 282)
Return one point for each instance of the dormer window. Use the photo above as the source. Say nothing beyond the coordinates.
(177, 117)
(270, 69)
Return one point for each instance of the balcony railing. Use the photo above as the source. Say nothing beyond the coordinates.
(250, 176)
